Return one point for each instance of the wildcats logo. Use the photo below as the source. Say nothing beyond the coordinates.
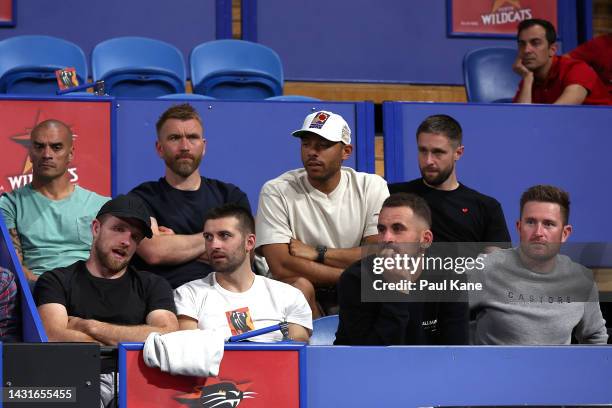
(225, 394)
(498, 17)
(506, 11)
(23, 139)
(89, 119)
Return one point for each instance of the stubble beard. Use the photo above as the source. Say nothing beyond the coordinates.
(440, 178)
(233, 263)
(107, 261)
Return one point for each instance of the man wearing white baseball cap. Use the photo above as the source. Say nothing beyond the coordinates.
(311, 221)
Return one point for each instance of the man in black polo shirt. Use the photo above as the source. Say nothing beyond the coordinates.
(392, 316)
(179, 201)
(459, 213)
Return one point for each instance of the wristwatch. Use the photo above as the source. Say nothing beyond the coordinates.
(321, 250)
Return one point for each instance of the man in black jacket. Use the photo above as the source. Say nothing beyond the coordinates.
(402, 306)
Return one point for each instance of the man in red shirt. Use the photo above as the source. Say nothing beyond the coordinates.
(548, 78)
(598, 54)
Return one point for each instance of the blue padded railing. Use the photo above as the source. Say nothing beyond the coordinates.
(31, 325)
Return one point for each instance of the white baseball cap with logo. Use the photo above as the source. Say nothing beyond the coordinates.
(328, 125)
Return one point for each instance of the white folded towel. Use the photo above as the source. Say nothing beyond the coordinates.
(185, 352)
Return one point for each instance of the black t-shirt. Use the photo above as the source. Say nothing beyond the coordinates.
(126, 300)
(460, 215)
(184, 212)
(396, 323)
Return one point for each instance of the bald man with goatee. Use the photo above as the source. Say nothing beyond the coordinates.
(49, 219)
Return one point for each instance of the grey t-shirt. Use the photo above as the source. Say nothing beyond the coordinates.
(520, 306)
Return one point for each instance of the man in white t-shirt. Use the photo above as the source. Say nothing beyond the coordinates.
(233, 299)
(312, 221)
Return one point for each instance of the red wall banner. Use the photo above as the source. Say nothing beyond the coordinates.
(497, 17)
(90, 123)
(7, 12)
(248, 379)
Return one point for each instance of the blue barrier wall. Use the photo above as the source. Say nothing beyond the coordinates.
(248, 143)
(509, 148)
(357, 40)
(368, 377)
(31, 326)
(184, 24)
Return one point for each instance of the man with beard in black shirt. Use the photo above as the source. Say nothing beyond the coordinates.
(459, 213)
(179, 201)
(103, 299)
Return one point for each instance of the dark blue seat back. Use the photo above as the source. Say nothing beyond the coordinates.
(300, 98)
(488, 75)
(138, 67)
(235, 69)
(186, 96)
(28, 63)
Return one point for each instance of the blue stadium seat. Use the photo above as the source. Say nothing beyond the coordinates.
(28, 64)
(138, 67)
(488, 75)
(324, 331)
(188, 96)
(235, 69)
(298, 98)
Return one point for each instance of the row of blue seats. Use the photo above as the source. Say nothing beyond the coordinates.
(143, 67)
(222, 69)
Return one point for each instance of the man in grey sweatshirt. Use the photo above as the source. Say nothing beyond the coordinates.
(532, 294)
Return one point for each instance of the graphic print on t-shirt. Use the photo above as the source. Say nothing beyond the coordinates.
(239, 320)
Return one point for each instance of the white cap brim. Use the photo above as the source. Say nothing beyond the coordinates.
(319, 132)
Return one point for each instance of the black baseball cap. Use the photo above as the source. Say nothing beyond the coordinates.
(128, 206)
